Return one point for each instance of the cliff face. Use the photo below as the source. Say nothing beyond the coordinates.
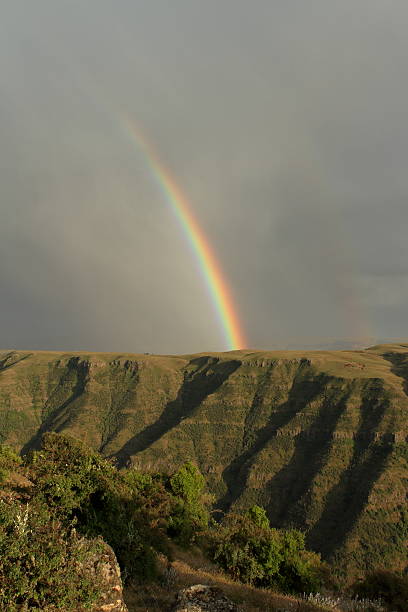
(319, 438)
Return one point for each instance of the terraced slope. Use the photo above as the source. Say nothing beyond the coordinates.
(318, 438)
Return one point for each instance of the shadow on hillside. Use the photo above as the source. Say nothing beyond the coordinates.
(302, 392)
(5, 363)
(399, 362)
(209, 374)
(119, 390)
(51, 421)
(346, 500)
(289, 488)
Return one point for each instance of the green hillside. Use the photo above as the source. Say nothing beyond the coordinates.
(317, 438)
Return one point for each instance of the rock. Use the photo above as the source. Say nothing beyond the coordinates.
(203, 598)
(104, 568)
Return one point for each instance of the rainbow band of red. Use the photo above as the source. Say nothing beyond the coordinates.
(211, 271)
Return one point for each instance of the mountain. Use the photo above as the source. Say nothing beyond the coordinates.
(318, 438)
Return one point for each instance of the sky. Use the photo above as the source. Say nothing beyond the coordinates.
(283, 122)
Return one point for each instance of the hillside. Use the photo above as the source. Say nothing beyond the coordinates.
(317, 438)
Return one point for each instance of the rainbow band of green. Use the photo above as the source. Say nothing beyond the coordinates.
(209, 266)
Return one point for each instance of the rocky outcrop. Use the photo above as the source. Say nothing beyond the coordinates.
(203, 598)
(104, 569)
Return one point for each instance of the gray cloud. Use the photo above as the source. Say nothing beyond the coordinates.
(284, 122)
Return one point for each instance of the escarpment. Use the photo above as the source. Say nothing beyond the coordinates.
(317, 438)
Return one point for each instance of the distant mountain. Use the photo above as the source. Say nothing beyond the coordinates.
(317, 438)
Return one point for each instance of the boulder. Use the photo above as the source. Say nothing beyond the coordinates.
(104, 567)
(203, 598)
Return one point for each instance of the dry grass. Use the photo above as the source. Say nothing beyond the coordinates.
(193, 568)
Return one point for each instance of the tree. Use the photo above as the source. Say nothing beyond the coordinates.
(258, 516)
(253, 552)
(190, 513)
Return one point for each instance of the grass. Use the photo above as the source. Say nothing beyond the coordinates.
(191, 567)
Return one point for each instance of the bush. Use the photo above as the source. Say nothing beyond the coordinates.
(132, 511)
(265, 557)
(49, 532)
(257, 515)
(43, 563)
(150, 490)
(189, 514)
(66, 473)
(390, 587)
(76, 483)
(9, 461)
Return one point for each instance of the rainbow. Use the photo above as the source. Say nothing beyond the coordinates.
(217, 286)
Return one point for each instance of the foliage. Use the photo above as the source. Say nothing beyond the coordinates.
(263, 556)
(66, 473)
(79, 484)
(258, 516)
(342, 467)
(133, 512)
(138, 480)
(189, 513)
(9, 460)
(188, 483)
(76, 498)
(390, 587)
(43, 563)
(150, 491)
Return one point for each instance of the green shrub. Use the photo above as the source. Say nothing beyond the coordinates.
(188, 483)
(77, 483)
(248, 552)
(66, 473)
(189, 513)
(390, 587)
(262, 556)
(77, 497)
(151, 492)
(258, 516)
(42, 563)
(139, 481)
(9, 460)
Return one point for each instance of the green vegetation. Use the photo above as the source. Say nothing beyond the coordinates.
(390, 587)
(9, 460)
(82, 487)
(61, 504)
(251, 551)
(190, 513)
(257, 516)
(318, 439)
(73, 497)
(43, 563)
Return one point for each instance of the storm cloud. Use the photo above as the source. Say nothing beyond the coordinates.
(284, 122)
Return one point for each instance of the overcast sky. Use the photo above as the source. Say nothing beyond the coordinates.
(285, 122)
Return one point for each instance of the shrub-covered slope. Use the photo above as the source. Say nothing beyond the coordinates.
(68, 517)
(319, 439)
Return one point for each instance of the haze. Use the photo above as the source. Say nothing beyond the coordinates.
(284, 122)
